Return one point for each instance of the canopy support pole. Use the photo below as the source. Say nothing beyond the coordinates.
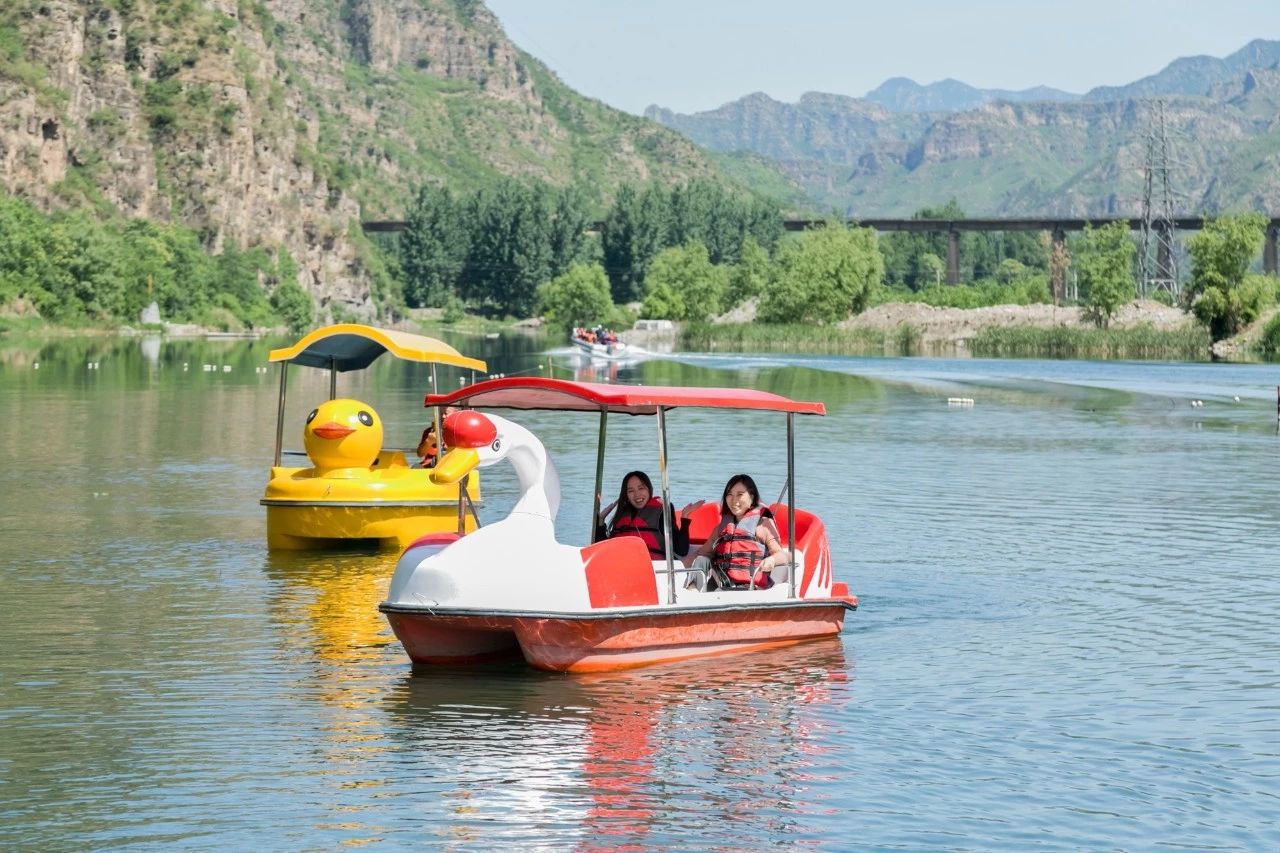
(666, 505)
(333, 378)
(462, 505)
(595, 502)
(791, 501)
(284, 375)
(435, 418)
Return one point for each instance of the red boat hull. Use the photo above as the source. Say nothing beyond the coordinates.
(599, 642)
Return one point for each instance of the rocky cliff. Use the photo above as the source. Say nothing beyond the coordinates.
(282, 123)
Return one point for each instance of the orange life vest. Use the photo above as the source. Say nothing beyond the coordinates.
(646, 523)
(738, 552)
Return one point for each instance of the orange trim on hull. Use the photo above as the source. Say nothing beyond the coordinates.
(455, 639)
(598, 645)
(603, 643)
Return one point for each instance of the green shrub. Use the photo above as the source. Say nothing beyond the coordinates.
(580, 297)
(1270, 340)
(454, 309)
(293, 306)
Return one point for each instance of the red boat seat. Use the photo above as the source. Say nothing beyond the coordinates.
(619, 573)
(804, 523)
(705, 518)
(703, 522)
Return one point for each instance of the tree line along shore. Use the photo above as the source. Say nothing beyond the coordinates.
(717, 263)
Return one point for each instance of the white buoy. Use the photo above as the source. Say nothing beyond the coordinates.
(959, 401)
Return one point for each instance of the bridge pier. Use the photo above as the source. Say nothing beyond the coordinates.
(1269, 250)
(953, 256)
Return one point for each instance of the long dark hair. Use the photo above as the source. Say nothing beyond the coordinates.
(750, 485)
(623, 504)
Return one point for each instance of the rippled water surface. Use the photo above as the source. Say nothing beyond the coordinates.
(1068, 635)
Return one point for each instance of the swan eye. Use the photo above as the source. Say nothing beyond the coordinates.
(496, 446)
(365, 418)
(311, 417)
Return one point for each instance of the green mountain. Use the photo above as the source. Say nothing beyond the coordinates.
(1081, 158)
(286, 123)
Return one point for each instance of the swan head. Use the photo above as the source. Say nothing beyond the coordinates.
(478, 441)
(473, 442)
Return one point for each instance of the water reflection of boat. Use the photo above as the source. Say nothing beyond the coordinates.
(605, 371)
(597, 751)
(355, 488)
(510, 586)
(329, 603)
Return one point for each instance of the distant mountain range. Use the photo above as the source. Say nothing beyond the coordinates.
(1037, 151)
(904, 95)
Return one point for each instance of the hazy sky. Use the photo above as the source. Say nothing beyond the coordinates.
(693, 55)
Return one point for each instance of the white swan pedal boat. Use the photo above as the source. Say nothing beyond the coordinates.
(509, 588)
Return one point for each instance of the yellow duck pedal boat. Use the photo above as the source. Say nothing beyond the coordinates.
(355, 490)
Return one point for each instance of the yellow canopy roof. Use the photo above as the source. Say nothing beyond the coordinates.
(351, 346)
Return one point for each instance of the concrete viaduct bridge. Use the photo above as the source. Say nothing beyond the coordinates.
(1058, 228)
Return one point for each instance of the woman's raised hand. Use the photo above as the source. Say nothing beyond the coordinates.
(690, 507)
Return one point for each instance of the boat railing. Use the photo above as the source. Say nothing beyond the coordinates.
(678, 568)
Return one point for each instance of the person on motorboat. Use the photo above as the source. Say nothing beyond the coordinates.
(745, 548)
(639, 513)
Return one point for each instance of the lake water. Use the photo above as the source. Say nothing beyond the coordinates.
(1069, 634)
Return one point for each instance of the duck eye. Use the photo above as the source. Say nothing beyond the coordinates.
(365, 418)
(311, 417)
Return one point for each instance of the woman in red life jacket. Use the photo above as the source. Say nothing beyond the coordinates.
(745, 548)
(639, 513)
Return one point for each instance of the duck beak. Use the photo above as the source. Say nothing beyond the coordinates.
(455, 465)
(333, 429)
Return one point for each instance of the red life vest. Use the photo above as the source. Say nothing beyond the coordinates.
(738, 552)
(646, 523)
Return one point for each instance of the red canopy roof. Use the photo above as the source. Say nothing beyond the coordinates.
(536, 392)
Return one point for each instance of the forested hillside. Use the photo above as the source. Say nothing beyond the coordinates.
(281, 125)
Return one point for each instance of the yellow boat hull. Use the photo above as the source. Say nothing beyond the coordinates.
(390, 507)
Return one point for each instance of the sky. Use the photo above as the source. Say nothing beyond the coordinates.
(694, 55)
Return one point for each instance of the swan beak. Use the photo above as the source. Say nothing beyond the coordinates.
(455, 465)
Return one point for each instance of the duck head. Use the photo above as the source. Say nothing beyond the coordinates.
(476, 440)
(342, 434)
